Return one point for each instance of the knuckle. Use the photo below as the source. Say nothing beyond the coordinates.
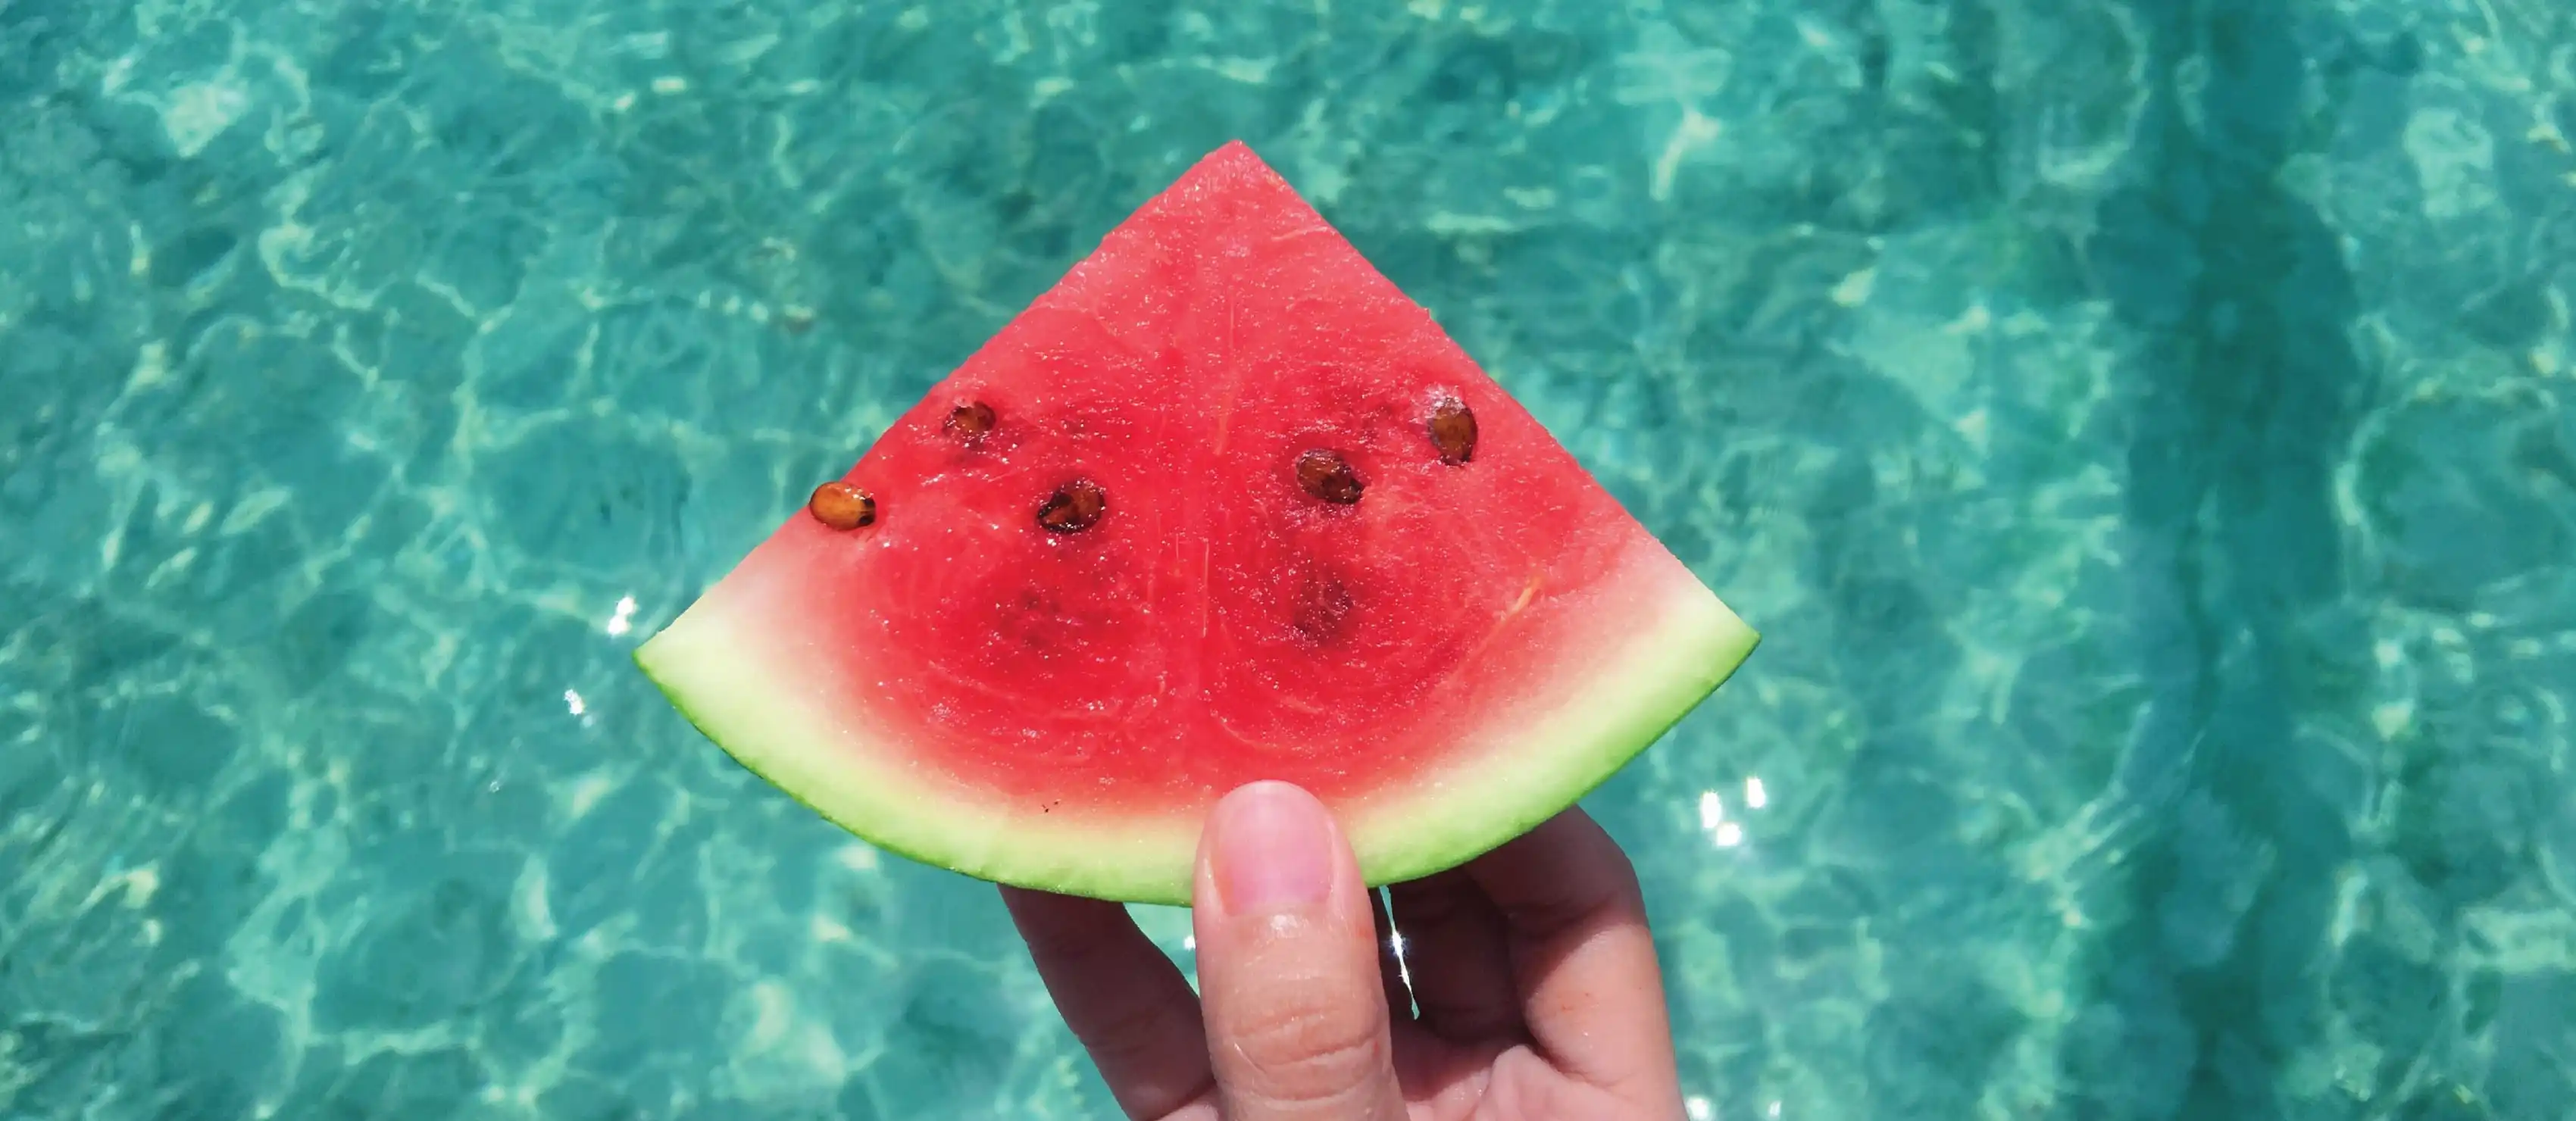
(1120, 1027)
(1466, 1017)
(1438, 901)
(1624, 894)
(1073, 948)
(1615, 896)
(1310, 1042)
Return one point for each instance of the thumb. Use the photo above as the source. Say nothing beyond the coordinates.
(1288, 969)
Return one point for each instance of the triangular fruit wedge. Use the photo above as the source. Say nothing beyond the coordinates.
(1223, 505)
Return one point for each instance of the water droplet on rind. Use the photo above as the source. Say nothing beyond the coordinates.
(842, 506)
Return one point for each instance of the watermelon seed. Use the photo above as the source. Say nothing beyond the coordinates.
(1328, 476)
(1453, 431)
(971, 420)
(842, 506)
(1073, 507)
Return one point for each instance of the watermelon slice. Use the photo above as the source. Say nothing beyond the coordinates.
(1222, 505)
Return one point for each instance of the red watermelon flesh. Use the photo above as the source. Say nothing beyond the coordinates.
(1448, 641)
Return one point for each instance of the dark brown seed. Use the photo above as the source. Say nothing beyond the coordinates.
(1453, 431)
(1328, 476)
(842, 506)
(1073, 507)
(971, 420)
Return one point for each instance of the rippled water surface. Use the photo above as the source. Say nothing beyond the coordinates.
(2145, 430)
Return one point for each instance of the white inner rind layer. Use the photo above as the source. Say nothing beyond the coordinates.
(736, 664)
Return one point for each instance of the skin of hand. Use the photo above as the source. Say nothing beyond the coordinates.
(1534, 974)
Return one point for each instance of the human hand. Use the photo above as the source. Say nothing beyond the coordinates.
(1536, 979)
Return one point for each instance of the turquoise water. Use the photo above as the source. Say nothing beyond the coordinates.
(2145, 430)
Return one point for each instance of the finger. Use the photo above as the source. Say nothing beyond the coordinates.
(1457, 958)
(1297, 1019)
(1126, 1002)
(1390, 961)
(1583, 962)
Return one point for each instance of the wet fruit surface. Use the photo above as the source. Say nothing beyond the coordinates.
(1213, 540)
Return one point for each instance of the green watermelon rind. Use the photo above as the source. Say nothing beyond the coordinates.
(1635, 707)
(709, 665)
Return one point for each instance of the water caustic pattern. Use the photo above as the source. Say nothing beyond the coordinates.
(2143, 430)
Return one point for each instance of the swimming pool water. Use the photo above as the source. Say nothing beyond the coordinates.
(2145, 430)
